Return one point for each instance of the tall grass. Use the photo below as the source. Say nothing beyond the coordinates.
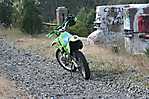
(105, 59)
(12, 33)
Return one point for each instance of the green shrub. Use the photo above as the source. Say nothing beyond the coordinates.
(80, 29)
(147, 52)
(6, 11)
(32, 20)
(84, 25)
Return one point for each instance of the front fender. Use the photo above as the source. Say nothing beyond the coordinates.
(55, 43)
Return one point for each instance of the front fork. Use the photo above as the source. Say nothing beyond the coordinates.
(74, 59)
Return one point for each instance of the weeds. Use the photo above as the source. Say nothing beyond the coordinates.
(147, 52)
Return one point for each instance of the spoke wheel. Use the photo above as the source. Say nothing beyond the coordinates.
(65, 61)
(83, 65)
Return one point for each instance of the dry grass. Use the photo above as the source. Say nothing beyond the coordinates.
(8, 89)
(107, 61)
(12, 34)
(39, 45)
(110, 61)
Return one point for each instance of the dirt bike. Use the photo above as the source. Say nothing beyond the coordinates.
(68, 47)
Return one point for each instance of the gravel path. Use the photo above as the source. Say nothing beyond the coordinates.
(43, 77)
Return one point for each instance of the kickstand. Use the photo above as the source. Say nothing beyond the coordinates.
(71, 71)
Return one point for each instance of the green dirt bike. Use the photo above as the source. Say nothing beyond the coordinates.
(68, 46)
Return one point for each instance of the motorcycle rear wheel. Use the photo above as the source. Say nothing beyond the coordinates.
(83, 65)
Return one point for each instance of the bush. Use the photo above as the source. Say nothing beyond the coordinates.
(32, 21)
(6, 11)
(80, 29)
(147, 52)
(84, 25)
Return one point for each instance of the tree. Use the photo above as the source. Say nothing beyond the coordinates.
(85, 20)
(17, 12)
(48, 7)
(6, 11)
(90, 20)
(32, 21)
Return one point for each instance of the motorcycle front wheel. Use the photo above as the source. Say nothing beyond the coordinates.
(65, 61)
(74, 62)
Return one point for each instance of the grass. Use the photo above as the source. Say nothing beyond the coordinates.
(6, 87)
(12, 34)
(9, 89)
(40, 43)
(105, 59)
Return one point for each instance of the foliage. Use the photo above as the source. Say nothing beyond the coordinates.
(147, 52)
(17, 12)
(6, 11)
(31, 22)
(90, 20)
(85, 20)
(27, 13)
(80, 29)
(48, 7)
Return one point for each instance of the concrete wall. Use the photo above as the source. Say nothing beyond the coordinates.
(61, 13)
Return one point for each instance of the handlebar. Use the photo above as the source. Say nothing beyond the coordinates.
(61, 28)
(56, 32)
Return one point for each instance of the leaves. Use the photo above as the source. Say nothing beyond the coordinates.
(6, 11)
(29, 14)
(32, 22)
(85, 19)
